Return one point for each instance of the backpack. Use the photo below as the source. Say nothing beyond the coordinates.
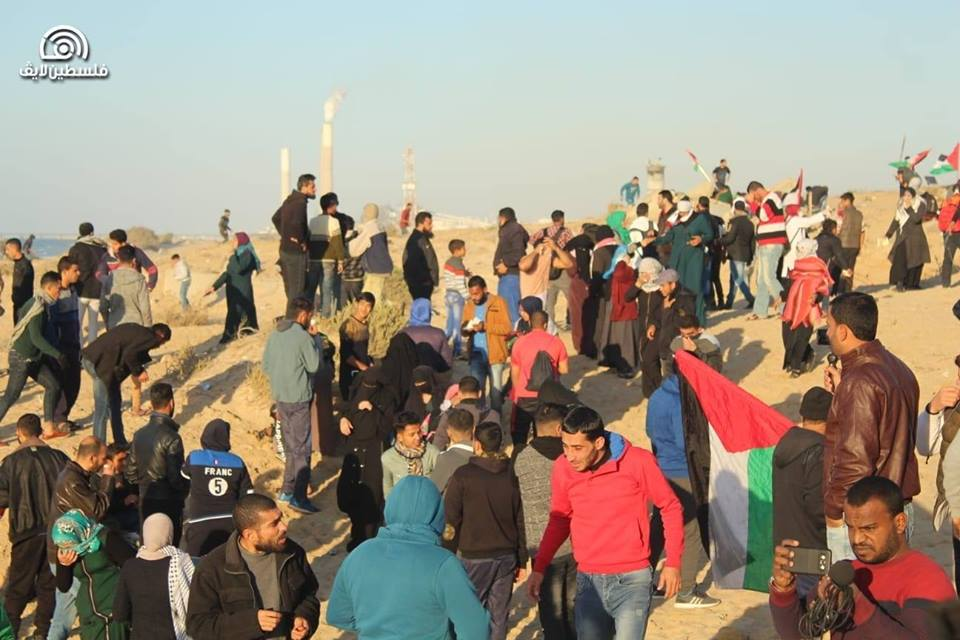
(932, 207)
(541, 371)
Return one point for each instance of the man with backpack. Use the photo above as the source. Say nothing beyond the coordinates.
(559, 278)
(535, 358)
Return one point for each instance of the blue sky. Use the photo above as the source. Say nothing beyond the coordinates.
(534, 105)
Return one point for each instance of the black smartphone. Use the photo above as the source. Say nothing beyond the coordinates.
(810, 561)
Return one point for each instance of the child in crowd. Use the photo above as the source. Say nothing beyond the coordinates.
(455, 277)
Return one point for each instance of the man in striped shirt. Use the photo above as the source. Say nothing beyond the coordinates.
(455, 276)
(771, 241)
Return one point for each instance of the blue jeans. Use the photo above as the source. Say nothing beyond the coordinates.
(738, 273)
(65, 611)
(481, 369)
(509, 289)
(767, 284)
(453, 302)
(614, 605)
(107, 402)
(184, 288)
(323, 275)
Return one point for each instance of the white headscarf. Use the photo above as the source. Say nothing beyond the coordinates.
(806, 247)
(157, 545)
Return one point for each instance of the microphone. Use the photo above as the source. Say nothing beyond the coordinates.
(834, 611)
(832, 359)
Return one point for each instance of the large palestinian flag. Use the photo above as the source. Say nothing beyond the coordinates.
(730, 437)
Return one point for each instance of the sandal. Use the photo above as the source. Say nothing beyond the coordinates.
(753, 316)
(56, 433)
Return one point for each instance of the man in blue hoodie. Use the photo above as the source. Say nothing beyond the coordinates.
(290, 360)
(403, 583)
(665, 430)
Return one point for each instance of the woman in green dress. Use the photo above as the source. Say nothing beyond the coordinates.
(93, 555)
(238, 278)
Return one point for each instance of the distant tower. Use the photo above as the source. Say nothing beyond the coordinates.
(330, 108)
(284, 174)
(655, 177)
(409, 186)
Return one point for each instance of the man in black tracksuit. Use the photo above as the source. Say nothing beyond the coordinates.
(156, 461)
(28, 477)
(290, 221)
(217, 479)
(798, 479)
(485, 522)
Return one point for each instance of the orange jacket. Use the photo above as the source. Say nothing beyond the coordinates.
(947, 213)
(496, 324)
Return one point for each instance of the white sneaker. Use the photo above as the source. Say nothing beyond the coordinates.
(694, 600)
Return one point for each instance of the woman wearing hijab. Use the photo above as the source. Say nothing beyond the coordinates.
(367, 424)
(809, 281)
(323, 430)
(218, 478)
(619, 343)
(425, 399)
(154, 588)
(241, 309)
(433, 347)
(598, 303)
(396, 370)
(646, 292)
(93, 554)
(910, 250)
(529, 306)
(372, 246)
(615, 222)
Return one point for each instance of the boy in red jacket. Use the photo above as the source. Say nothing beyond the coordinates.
(949, 223)
(600, 490)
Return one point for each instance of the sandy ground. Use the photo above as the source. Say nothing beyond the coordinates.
(213, 381)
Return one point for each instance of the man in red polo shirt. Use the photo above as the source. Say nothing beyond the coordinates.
(522, 358)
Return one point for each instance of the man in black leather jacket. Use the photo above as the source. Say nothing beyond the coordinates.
(156, 459)
(27, 480)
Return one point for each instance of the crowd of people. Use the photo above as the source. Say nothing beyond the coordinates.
(459, 487)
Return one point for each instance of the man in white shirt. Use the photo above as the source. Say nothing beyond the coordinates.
(181, 275)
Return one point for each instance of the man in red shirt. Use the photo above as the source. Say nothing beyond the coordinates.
(600, 489)
(522, 357)
(893, 585)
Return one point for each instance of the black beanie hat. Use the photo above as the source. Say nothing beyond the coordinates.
(816, 404)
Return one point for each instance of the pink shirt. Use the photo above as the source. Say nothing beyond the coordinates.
(525, 351)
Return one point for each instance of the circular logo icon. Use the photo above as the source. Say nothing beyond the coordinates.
(217, 487)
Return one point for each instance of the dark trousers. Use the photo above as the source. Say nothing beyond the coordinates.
(18, 371)
(557, 598)
(241, 313)
(420, 290)
(350, 291)
(956, 563)
(524, 410)
(29, 577)
(845, 285)
(796, 346)
(69, 375)
(951, 242)
(295, 422)
(293, 269)
(172, 507)
(200, 538)
(493, 580)
(695, 542)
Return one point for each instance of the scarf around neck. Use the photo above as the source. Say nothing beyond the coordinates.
(414, 457)
(40, 303)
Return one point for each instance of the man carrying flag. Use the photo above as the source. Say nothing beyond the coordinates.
(730, 438)
(720, 175)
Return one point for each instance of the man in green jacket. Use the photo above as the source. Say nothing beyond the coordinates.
(689, 235)
(28, 352)
(290, 360)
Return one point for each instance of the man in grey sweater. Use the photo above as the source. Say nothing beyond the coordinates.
(124, 296)
(533, 466)
(290, 360)
(460, 429)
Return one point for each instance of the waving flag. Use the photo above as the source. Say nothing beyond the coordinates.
(794, 200)
(911, 162)
(946, 164)
(699, 167)
(730, 436)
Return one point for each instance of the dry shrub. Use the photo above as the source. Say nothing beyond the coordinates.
(193, 316)
(257, 381)
(143, 238)
(387, 319)
(185, 362)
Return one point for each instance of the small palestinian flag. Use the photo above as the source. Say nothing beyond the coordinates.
(730, 437)
(946, 164)
(698, 167)
(910, 163)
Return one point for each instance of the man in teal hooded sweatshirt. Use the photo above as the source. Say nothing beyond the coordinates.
(403, 584)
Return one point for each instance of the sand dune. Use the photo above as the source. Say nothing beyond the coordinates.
(211, 381)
